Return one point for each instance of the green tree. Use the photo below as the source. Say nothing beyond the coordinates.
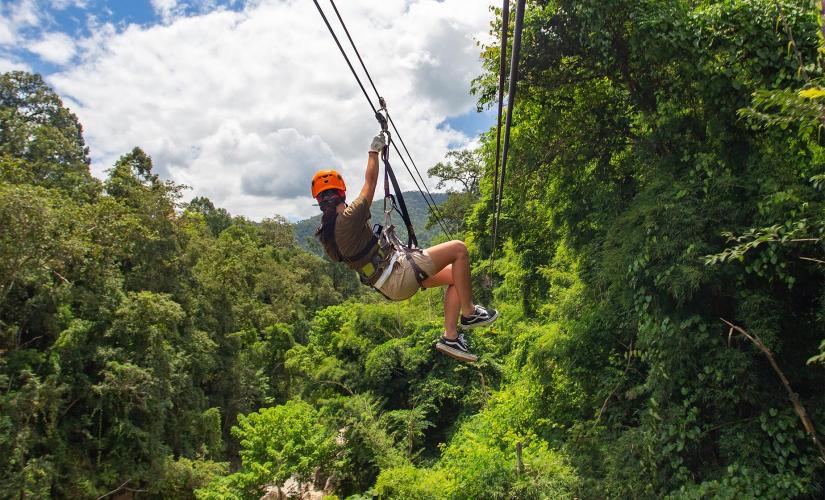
(217, 219)
(464, 169)
(151, 261)
(630, 163)
(277, 232)
(41, 142)
(276, 444)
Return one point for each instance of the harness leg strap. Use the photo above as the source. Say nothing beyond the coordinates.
(420, 275)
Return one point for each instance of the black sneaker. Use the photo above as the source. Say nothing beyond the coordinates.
(456, 348)
(480, 317)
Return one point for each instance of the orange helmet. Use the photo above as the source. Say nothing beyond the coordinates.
(327, 179)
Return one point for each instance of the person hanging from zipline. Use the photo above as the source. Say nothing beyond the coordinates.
(396, 270)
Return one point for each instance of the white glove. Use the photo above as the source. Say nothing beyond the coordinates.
(378, 143)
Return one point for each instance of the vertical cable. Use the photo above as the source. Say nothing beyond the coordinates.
(505, 25)
(511, 99)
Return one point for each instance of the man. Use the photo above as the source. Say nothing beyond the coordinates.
(346, 237)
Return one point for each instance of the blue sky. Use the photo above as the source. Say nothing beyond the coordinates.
(77, 19)
(243, 100)
(472, 122)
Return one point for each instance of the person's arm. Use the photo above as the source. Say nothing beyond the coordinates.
(368, 190)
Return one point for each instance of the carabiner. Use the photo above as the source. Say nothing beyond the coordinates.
(382, 118)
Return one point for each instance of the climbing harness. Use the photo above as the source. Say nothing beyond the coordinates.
(385, 248)
(388, 236)
(511, 99)
(395, 201)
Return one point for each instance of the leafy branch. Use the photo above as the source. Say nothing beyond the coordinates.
(807, 423)
(792, 42)
(791, 232)
(784, 107)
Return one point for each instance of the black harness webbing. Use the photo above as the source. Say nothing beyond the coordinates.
(329, 235)
(401, 207)
(388, 234)
(420, 275)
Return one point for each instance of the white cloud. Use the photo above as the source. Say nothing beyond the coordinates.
(56, 48)
(11, 65)
(8, 34)
(166, 9)
(63, 4)
(25, 13)
(276, 163)
(16, 17)
(245, 106)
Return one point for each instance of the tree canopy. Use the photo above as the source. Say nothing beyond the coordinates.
(660, 278)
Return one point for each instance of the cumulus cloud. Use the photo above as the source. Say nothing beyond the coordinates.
(12, 65)
(63, 4)
(56, 48)
(280, 164)
(23, 24)
(14, 18)
(166, 9)
(8, 34)
(25, 14)
(244, 105)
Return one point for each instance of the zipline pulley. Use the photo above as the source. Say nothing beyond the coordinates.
(382, 118)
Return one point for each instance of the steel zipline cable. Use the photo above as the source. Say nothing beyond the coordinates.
(431, 205)
(434, 208)
(505, 24)
(511, 100)
(346, 58)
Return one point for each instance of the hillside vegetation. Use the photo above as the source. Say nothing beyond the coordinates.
(660, 277)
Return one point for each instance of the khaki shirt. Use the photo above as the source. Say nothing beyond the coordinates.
(353, 232)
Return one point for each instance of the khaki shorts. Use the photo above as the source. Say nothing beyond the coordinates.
(401, 284)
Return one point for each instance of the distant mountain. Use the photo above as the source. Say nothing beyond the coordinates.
(305, 229)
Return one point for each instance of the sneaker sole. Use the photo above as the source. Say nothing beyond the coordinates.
(456, 353)
(483, 323)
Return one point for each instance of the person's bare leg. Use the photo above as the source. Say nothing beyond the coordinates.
(454, 254)
(443, 277)
(452, 305)
(451, 308)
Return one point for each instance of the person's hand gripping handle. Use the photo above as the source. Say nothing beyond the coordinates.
(379, 142)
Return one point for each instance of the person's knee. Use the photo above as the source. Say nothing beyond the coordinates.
(460, 250)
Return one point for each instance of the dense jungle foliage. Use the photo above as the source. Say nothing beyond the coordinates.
(666, 180)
